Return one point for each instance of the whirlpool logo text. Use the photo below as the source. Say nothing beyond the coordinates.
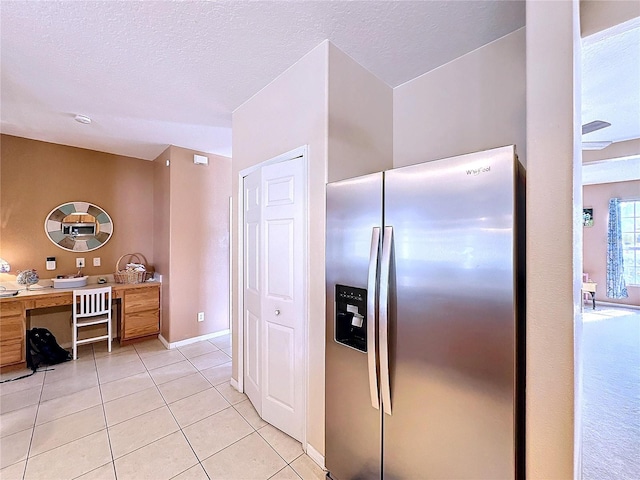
(478, 171)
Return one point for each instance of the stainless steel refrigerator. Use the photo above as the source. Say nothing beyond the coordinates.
(425, 325)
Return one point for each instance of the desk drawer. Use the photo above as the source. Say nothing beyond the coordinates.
(11, 351)
(53, 300)
(12, 328)
(141, 300)
(140, 324)
(10, 309)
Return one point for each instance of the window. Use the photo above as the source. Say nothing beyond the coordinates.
(630, 226)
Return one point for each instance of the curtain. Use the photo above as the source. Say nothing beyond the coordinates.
(616, 287)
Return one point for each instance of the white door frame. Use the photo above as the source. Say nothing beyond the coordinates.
(295, 153)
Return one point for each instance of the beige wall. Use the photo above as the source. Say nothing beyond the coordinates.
(191, 225)
(476, 102)
(177, 217)
(198, 243)
(554, 207)
(37, 176)
(162, 233)
(595, 238)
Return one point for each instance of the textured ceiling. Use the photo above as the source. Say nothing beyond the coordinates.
(151, 74)
(611, 82)
(155, 73)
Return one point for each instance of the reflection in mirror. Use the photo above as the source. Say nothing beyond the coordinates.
(78, 226)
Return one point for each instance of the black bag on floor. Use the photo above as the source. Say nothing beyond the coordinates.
(42, 349)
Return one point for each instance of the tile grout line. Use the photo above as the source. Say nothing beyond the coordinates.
(178, 423)
(95, 372)
(287, 465)
(106, 425)
(221, 450)
(167, 404)
(157, 386)
(33, 428)
(273, 448)
(105, 422)
(255, 430)
(180, 426)
(186, 426)
(35, 420)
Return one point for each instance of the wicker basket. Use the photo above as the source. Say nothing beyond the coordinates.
(126, 276)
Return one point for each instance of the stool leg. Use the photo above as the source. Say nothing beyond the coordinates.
(75, 340)
(109, 333)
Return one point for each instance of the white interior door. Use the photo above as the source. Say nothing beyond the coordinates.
(274, 293)
(283, 302)
(252, 289)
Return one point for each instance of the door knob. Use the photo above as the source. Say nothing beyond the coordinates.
(277, 312)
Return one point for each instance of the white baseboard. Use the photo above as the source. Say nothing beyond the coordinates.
(234, 384)
(315, 456)
(164, 342)
(189, 341)
(611, 304)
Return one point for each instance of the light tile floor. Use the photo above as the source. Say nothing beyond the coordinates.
(141, 412)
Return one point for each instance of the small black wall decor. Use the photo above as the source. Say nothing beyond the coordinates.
(587, 217)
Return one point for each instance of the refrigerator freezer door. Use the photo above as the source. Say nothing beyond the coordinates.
(352, 425)
(452, 331)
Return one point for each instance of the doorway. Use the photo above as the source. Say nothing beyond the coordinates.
(608, 344)
(273, 290)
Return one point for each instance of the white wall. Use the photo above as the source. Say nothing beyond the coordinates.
(288, 113)
(554, 243)
(343, 113)
(360, 119)
(476, 102)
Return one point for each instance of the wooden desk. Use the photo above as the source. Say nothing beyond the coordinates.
(590, 287)
(139, 319)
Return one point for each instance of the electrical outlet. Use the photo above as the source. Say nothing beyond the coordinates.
(96, 261)
(79, 262)
(201, 316)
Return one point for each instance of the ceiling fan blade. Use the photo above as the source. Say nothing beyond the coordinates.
(593, 126)
(595, 145)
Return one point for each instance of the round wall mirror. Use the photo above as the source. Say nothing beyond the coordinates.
(78, 226)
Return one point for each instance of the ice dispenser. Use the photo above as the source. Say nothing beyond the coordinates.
(351, 317)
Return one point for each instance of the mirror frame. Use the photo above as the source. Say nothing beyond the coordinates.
(53, 227)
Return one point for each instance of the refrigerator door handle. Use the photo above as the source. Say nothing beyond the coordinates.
(372, 286)
(384, 319)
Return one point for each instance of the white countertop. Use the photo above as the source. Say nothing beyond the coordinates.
(46, 286)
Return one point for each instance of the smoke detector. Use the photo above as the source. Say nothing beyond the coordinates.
(82, 119)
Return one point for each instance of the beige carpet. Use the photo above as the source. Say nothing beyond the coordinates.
(611, 395)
